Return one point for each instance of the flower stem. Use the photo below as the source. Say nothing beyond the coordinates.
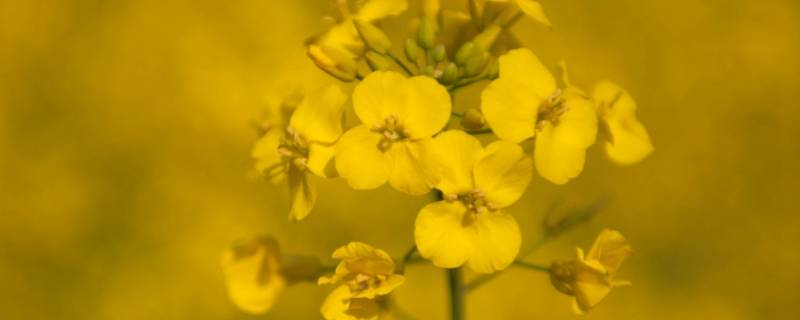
(456, 294)
(400, 63)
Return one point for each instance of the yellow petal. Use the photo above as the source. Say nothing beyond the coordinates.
(405, 169)
(385, 287)
(510, 109)
(336, 304)
(358, 257)
(359, 160)
(628, 141)
(380, 95)
(268, 161)
(522, 66)
(440, 235)
(379, 9)
(319, 156)
(319, 117)
(252, 274)
(496, 241)
(610, 249)
(303, 194)
(428, 108)
(451, 157)
(560, 150)
(344, 38)
(503, 173)
(533, 10)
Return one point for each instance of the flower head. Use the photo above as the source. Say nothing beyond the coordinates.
(343, 36)
(469, 225)
(253, 274)
(367, 276)
(304, 145)
(627, 140)
(524, 102)
(398, 116)
(589, 278)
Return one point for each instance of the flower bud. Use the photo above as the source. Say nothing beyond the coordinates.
(373, 37)
(428, 71)
(430, 8)
(464, 53)
(476, 64)
(439, 53)
(426, 35)
(333, 61)
(450, 74)
(412, 51)
(493, 70)
(473, 119)
(377, 61)
(485, 40)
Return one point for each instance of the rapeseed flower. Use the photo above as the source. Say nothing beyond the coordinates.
(525, 102)
(302, 146)
(343, 36)
(627, 141)
(589, 278)
(398, 115)
(469, 224)
(366, 276)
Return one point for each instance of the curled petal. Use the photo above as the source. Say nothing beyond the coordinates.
(628, 142)
(303, 194)
(379, 9)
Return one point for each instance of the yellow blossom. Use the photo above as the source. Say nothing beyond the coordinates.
(252, 274)
(304, 145)
(469, 225)
(504, 12)
(525, 102)
(344, 37)
(590, 278)
(627, 140)
(398, 115)
(366, 275)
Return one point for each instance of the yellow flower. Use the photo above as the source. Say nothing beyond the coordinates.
(504, 11)
(343, 36)
(305, 144)
(399, 116)
(253, 275)
(627, 139)
(525, 102)
(590, 278)
(366, 275)
(469, 225)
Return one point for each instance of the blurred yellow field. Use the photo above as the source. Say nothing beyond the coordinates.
(127, 133)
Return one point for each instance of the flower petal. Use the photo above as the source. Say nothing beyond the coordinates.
(303, 194)
(319, 117)
(610, 249)
(628, 141)
(561, 149)
(380, 95)
(451, 156)
(533, 10)
(319, 156)
(522, 66)
(510, 109)
(406, 171)
(336, 304)
(428, 108)
(268, 161)
(252, 274)
(440, 235)
(503, 173)
(359, 160)
(379, 9)
(496, 241)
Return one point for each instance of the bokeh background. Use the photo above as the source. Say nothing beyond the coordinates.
(124, 160)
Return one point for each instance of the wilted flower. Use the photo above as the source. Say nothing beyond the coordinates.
(367, 276)
(304, 145)
(590, 278)
(399, 115)
(524, 102)
(627, 140)
(469, 225)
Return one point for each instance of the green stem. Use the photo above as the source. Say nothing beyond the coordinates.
(407, 258)
(466, 83)
(456, 294)
(474, 284)
(532, 266)
(457, 114)
(480, 131)
(400, 63)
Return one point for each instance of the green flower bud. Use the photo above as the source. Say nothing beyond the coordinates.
(333, 61)
(476, 64)
(439, 53)
(428, 71)
(493, 70)
(373, 37)
(464, 53)
(485, 40)
(473, 119)
(412, 51)
(450, 74)
(426, 35)
(377, 61)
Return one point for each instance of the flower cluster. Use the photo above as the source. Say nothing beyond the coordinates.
(405, 136)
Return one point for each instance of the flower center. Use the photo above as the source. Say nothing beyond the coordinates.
(361, 282)
(294, 148)
(552, 109)
(475, 202)
(391, 131)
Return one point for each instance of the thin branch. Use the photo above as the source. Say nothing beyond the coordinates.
(401, 64)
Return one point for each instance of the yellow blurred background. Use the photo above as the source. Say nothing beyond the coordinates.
(124, 160)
